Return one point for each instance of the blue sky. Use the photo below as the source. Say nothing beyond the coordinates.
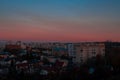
(62, 8)
(84, 17)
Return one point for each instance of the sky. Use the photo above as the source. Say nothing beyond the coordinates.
(60, 20)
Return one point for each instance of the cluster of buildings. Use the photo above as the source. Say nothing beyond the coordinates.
(53, 57)
(79, 52)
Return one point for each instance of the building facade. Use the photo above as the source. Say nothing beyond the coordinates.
(88, 50)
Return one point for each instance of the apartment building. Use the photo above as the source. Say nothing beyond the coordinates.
(88, 50)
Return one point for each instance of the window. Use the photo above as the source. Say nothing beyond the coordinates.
(94, 53)
(81, 50)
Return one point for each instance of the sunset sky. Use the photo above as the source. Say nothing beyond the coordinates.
(60, 20)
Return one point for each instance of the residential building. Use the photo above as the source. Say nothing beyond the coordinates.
(88, 50)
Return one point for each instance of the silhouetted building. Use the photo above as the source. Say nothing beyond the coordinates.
(13, 48)
(112, 55)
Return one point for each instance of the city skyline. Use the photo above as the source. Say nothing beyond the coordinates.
(60, 20)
